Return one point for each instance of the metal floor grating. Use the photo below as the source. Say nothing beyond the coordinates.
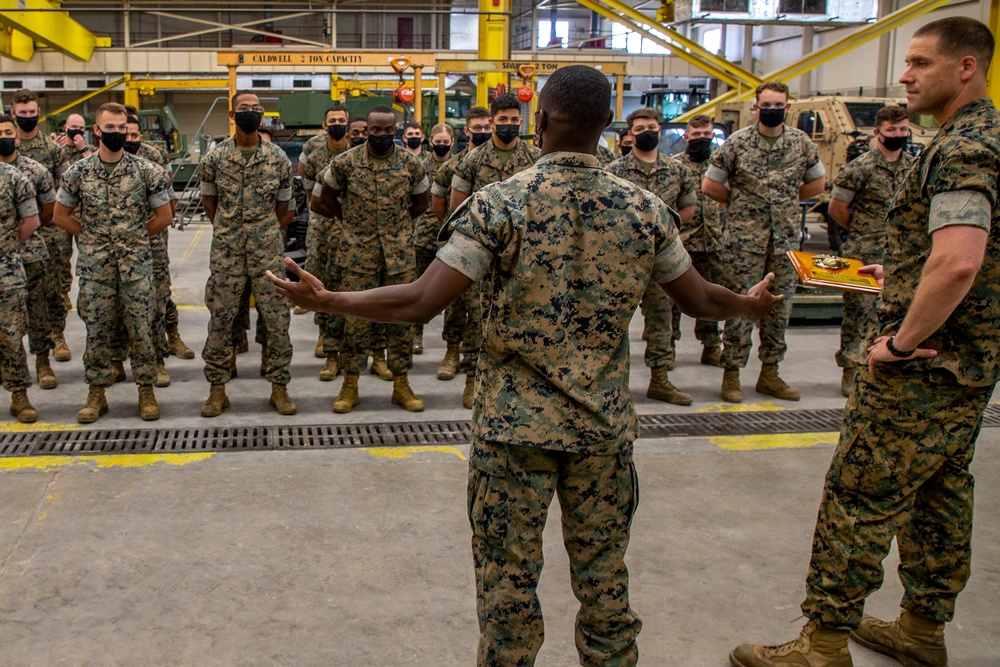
(402, 434)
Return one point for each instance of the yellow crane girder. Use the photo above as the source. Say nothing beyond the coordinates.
(56, 29)
(826, 54)
(16, 45)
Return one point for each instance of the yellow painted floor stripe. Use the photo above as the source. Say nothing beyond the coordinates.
(18, 427)
(194, 243)
(405, 452)
(752, 443)
(766, 406)
(49, 463)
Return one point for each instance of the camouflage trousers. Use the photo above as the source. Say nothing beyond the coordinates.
(455, 317)
(60, 246)
(41, 287)
(709, 265)
(13, 327)
(859, 309)
(657, 327)
(362, 336)
(223, 293)
(742, 271)
(424, 258)
(120, 348)
(321, 240)
(104, 305)
(901, 469)
(471, 304)
(242, 323)
(510, 489)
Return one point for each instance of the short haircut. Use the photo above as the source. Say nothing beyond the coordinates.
(648, 112)
(776, 86)
(239, 94)
(700, 120)
(109, 107)
(443, 127)
(504, 102)
(578, 93)
(8, 119)
(959, 36)
(413, 125)
(381, 108)
(475, 113)
(24, 95)
(340, 108)
(131, 110)
(890, 114)
(131, 119)
(266, 130)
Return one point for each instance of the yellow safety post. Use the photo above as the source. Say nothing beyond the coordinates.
(442, 106)
(994, 73)
(418, 93)
(56, 29)
(232, 91)
(15, 44)
(494, 44)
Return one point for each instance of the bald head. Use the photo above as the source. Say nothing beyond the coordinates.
(573, 110)
(75, 122)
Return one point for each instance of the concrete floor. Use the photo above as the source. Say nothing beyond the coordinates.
(362, 557)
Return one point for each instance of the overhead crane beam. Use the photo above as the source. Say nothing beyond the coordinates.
(682, 47)
(208, 31)
(53, 28)
(15, 44)
(91, 94)
(830, 52)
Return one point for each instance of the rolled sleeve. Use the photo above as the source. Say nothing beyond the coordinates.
(466, 255)
(64, 197)
(960, 207)
(208, 189)
(422, 186)
(460, 184)
(27, 208)
(47, 196)
(438, 190)
(309, 184)
(843, 194)
(671, 263)
(717, 174)
(690, 199)
(158, 199)
(814, 172)
(333, 178)
(317, 190)
(284, 194)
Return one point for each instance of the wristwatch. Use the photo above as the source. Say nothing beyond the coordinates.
(894, 352)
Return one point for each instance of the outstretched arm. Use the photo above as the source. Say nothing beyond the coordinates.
(698, 298)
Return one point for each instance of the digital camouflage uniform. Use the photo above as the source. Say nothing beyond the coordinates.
(43, 288)
(17, 201)
(867, 184)
(426, 227)
(763, 222)
(321, 239)
(480, 167)
(246, 242)
(674, 184)
(456, 315)
(901, 468)
(702, 238)
(604, 156)
(58, 242)
(115, 264)
(553, 412)
(376, 247)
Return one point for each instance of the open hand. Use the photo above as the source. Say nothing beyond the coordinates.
(760, 301)
(879, 352)
(876, 272)
(308, 293)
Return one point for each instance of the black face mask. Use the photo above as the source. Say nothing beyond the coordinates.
(7, 146)
(380, 144)
(626, 150)
(414, 142)
(480, 138)
(132, 147)
(73, 134)
(771, 117)
(894, 143)
(336, 132)
(648, 140)
(699, 150)
(248, 121)
(113, 141)
(357, 141)
(507, 133)
(27, 124)
(441, 149)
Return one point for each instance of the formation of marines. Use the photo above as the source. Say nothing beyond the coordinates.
(378, 215)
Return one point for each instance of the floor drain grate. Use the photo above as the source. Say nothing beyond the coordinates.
(401, 434)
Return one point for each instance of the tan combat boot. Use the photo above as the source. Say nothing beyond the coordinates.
(712, 356)
(911, 639)
(403, 395)
(769, 383)
(117, 372)
(162, 377)
(815, 646)
(318, 351)
(469, 394)
(299, 310)
(281, 401)
(21, 407)
(661, 389)
(96, 406)
(148, 408)
(61, 352)
(217, 401)
(177, 346)
(46, 377)
(67, 301)
(846, 380)
(731, 391)
(449, 365)
(379, 366)
(265, 361)
(418, 344)
(348, 396)
(331, 368)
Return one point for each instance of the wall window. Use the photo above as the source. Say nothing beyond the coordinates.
(545, 33)
(626, 40)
